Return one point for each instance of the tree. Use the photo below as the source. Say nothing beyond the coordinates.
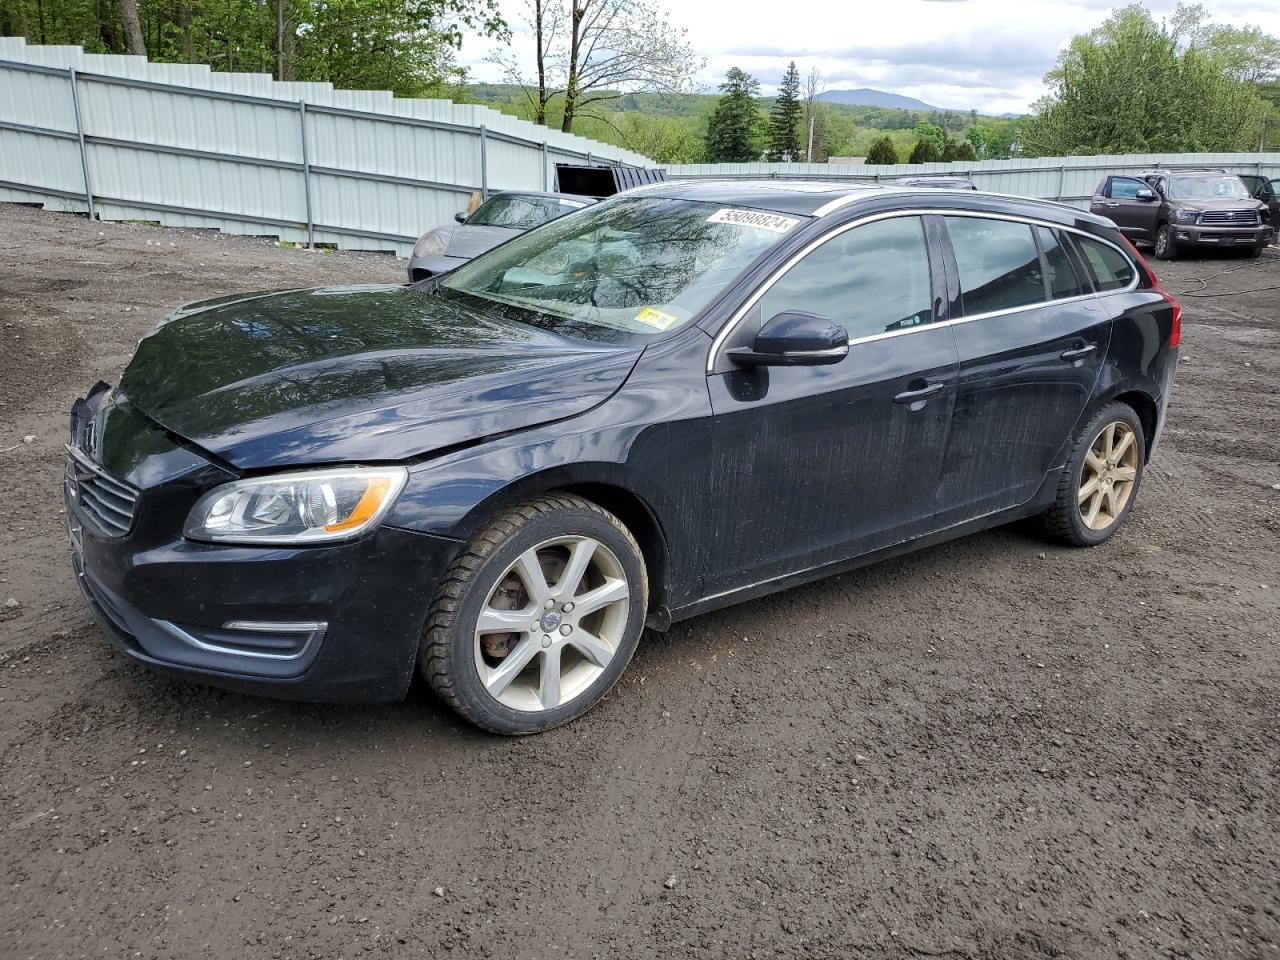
(1191, 96)
(784, 118)
(956, 150)
(814, 123)
(132, 28)
(933, 133)
(882, 153)
(731, 131)
(598, 51)
(926, 151)
(664, 139)
(407, 46)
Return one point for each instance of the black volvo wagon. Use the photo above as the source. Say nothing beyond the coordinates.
(683, 397)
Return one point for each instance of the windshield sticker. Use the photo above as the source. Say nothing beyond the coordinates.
(656, 318)
(774, 222)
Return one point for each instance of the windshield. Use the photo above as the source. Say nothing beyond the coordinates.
(520, 211)
(641, 265)
(1207, 188)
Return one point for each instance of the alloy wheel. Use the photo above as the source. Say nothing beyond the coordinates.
(1108, 477)
(551, 623)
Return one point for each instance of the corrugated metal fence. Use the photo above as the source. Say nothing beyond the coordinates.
(126, 139)
(1066, 179)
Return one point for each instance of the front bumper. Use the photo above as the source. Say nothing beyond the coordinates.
(338, 623)
(1196, 235)
(422, 267)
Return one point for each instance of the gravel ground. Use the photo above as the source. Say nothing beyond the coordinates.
(996, 748)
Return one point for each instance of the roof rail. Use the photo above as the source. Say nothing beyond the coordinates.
(1169, 170)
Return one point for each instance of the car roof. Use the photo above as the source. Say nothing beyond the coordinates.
(799, 197)
(820, 197)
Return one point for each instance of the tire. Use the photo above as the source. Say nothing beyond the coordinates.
(1068, 519)
(1252, 253)
(497, 575)
(1165, 248)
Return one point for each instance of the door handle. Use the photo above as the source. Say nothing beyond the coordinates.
(1077, 352)
(914, 396)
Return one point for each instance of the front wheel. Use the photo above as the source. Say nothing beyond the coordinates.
(1254, 252)
(1166, 249)
(1101, 479)
(538, 617)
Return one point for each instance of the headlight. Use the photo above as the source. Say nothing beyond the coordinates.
(431, 244)
(315, 506)
(1186, 215)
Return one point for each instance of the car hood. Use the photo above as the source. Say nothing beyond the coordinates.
(471, 241)
(343, 374)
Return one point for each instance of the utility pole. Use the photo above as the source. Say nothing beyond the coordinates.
(808, 156)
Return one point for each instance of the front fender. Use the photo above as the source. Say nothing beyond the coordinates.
(650, 441)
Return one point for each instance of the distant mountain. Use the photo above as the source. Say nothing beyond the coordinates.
(866, 97)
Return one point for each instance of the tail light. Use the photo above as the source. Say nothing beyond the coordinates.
(1175, 335)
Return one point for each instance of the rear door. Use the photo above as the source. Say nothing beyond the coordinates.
(1031, 341)
(816, 464)
(1118, 201)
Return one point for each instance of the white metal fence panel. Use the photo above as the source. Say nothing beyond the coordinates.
(127, 139)
(1066, 179)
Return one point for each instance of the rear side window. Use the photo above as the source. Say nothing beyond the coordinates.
(1063, 281)
(1111, 268)
(999, 264)
(1125, 188)
(873, 279)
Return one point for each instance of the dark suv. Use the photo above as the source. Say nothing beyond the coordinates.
(1176, 209)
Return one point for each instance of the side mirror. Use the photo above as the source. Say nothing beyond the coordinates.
(1145, 195)
(461, 216)
(794, 339)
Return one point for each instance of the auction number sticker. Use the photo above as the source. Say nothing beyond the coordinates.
(774, 222)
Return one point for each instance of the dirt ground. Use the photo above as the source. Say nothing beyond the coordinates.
(994, 749)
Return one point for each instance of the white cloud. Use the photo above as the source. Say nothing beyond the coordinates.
(990, 55)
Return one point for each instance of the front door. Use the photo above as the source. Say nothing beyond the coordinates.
(1031, 343)
(814, 464)
(1119, 203)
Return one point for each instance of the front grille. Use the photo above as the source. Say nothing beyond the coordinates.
(1235, 218)
(106, 506)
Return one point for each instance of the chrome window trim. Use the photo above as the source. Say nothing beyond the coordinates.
(717, 344)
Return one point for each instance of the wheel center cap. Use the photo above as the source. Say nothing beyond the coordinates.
(550, 621)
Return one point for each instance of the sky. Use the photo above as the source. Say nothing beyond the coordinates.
(988, 55)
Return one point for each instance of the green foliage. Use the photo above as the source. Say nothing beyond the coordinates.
(663, 139)
(956, 150)
(925, 151)
(932, 133)
(1136, 86)
(733, 134)
(406, 46)
(882, 152)
(784, 118)
(841, 130)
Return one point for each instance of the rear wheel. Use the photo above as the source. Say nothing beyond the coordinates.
(1101, 479)
(538, 618)
(1166, 249)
